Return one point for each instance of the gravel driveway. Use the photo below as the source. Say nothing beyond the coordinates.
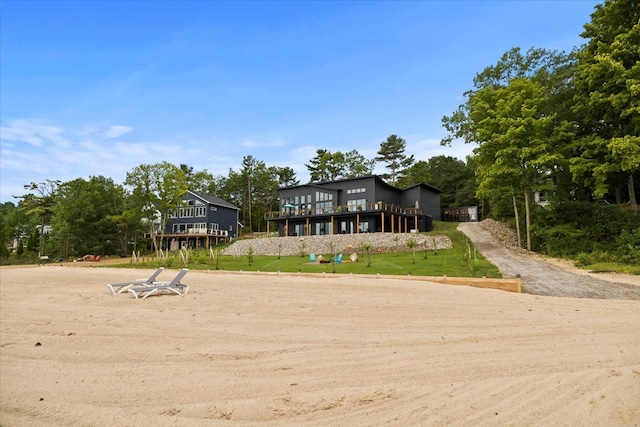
(541, 277)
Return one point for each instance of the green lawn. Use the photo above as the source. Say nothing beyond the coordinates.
(460, 261)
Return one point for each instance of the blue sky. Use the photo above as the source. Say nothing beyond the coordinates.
(93, 88)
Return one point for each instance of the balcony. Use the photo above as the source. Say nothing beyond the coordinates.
(376, 207)
(197, 232)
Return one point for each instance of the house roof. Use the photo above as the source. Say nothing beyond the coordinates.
(322, 184)
(422, 184)
(212, 200)
(376, 177)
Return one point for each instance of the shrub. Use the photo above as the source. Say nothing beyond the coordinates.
(571, 228)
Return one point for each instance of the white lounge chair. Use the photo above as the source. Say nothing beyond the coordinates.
(118, 288)
(156, 288)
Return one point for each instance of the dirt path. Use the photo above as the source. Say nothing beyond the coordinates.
(541, 276)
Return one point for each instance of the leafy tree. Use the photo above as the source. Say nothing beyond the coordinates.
(157, 190)
(416, 173)
(356, 165)
(411, 244)
(201, 181)
(323, 166)
(7, 227)
(607, 101)
(249, 165)
(510, 117)
(86, 213)
(328, 166)
(32, 241)
(40, 202)
(391, 153)
(128, 223)
(286, 176)
(20, 249)
(231, 188)
(455, 178)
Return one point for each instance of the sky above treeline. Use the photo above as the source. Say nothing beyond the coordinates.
(92, 88)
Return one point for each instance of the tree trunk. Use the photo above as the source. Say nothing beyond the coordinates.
(632, 194)
(41, 243)
(155, 240)
(618, 196)
(249, 202)
(515, 211)
(527, 201)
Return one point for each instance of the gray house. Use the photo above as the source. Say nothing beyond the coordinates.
(201, 220)
(356, 205)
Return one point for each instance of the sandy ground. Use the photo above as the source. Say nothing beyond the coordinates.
(292, 350)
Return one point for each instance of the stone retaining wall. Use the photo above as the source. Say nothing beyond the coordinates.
(337, 243)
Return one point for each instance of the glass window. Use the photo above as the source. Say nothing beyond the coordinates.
(356, 204)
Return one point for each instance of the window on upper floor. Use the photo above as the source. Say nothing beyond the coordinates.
(356, 204)
(356, 190)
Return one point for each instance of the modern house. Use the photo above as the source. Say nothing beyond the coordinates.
(356, 205)
(200, 221)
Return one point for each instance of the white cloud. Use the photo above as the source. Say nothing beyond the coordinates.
(116, 131)
(53, 152)
(252, 143)
(32, 133)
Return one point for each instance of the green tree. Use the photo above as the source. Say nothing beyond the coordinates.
(20, 249)
(455, 178)
(328, 166)
(391, 153)
(417, 173)
(510, 116)
(200, 181)
(86, 213)
(411, 244)
(247, 170)
(323, 166)
(157, 191)
(40, 202)
(286, 176)
(7, 227)
(607, 101)
(129, 224)
(32, 241)
(356, 165)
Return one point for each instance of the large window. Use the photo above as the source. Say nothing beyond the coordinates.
(295, 205)
(201, 211)
(186, 212)
(324, 202)
(357, 204)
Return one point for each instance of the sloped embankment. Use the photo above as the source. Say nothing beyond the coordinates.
(337, 243)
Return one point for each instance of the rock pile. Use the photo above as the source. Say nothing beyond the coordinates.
(505, 235)
(337, 243)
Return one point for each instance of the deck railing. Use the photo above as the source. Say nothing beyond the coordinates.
(341, 210)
